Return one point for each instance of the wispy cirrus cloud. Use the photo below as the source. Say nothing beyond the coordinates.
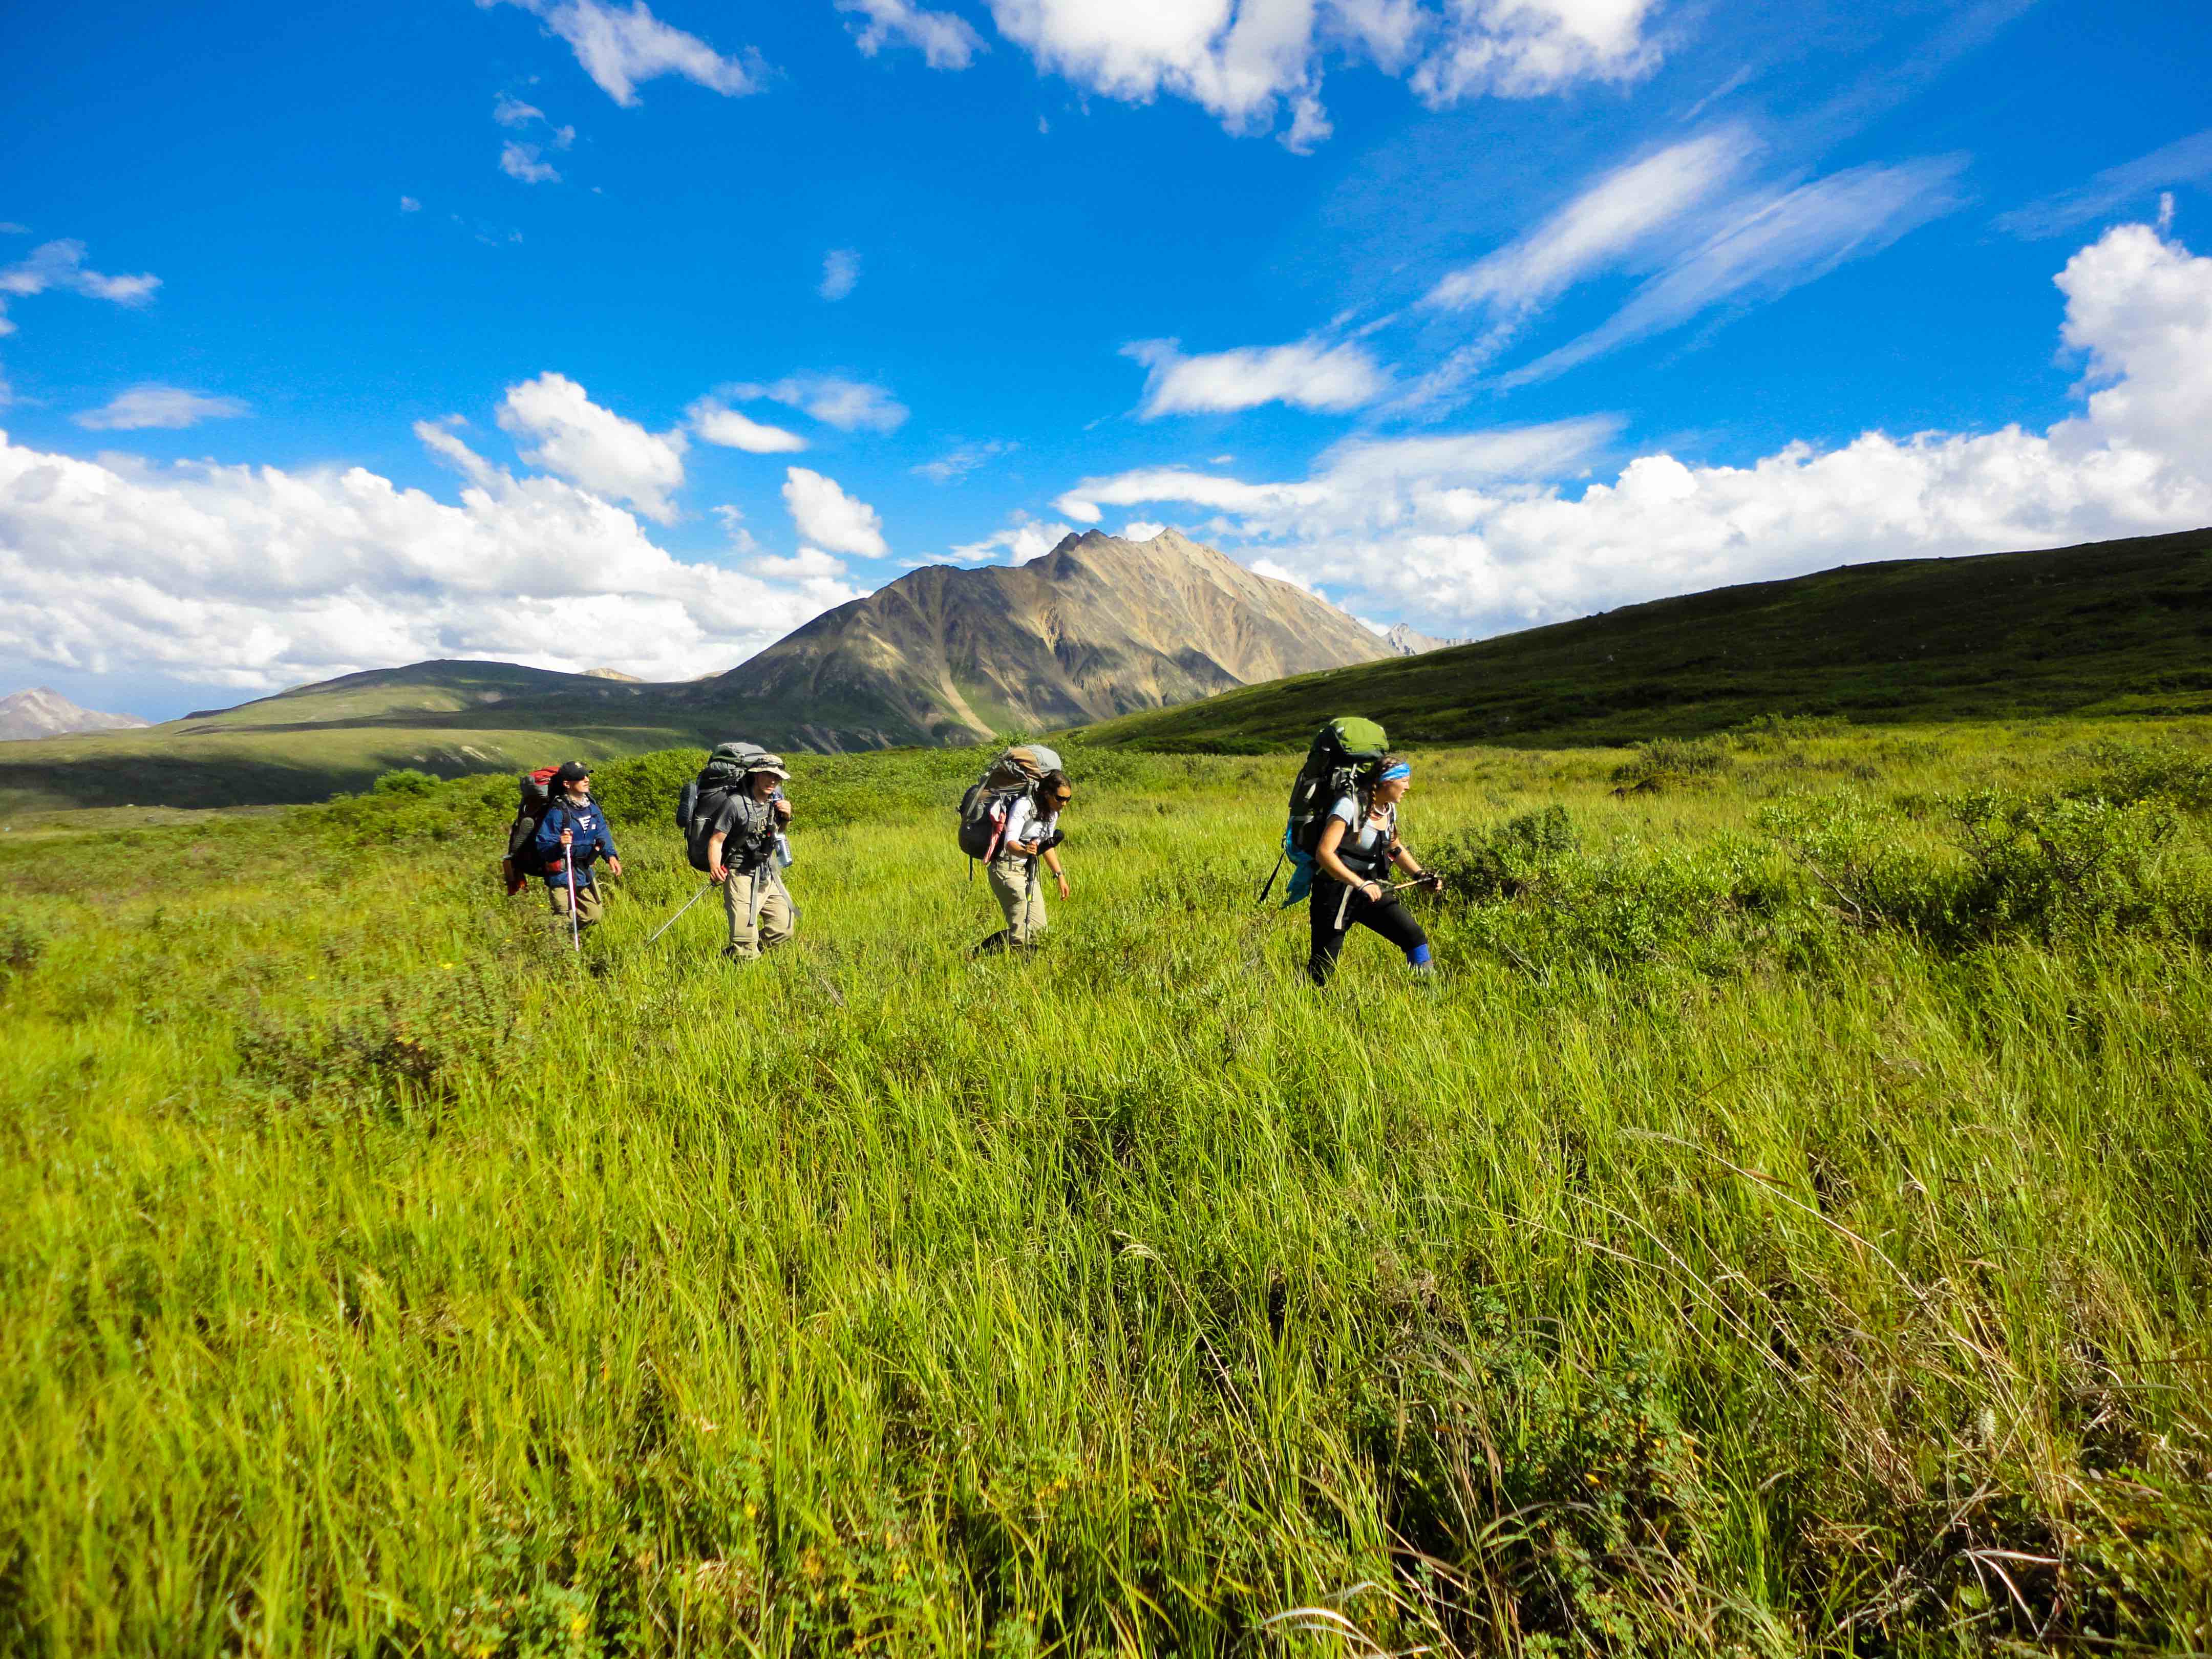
(944, 41)
(958, 462)
(520, 161)
(1306, 374)
(840, 273)
(1768, 243)
(2185, 161)
(166, 406)
(849, 405)
(619, 48)
(60, 265)
(1621, 215)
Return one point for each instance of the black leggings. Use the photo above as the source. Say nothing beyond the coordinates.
(1386, 916)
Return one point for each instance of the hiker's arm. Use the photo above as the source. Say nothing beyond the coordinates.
(607, 846)
(1332, 838)
(1403, 858)
(550, 830)
(782, 808)
(1052, 863)
(715, 870)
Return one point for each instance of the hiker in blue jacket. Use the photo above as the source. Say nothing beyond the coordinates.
(574, 831)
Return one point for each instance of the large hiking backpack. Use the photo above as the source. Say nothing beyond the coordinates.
(699, 800)
(522, 860)
(1011, 774)
(1342, 751)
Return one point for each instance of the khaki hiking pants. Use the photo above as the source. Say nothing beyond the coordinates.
(775, 924)
(588, 905)
(1018, 885)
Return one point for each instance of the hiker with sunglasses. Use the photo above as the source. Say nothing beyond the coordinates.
(1031, 838)
(1358, 849)
(572, 837)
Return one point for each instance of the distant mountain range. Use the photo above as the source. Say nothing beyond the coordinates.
(42, 712)
(1407, 641)
(1099, 627)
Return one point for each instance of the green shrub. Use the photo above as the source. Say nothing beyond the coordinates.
(2043, 865)
(405, 781)
(1479, 865)
(1671, 764)
(1767, 732)
(2130, 771)
(20, 947)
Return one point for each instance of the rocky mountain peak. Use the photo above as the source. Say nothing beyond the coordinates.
(43, 712)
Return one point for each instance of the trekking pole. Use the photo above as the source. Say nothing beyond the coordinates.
(575, 928)
(680, 910)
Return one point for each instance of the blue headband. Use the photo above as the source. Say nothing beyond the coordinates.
(1392, 774)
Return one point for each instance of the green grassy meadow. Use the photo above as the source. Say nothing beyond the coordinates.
(1783, 1228)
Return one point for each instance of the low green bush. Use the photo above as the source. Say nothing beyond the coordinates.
(405, 781)
(1671, 764)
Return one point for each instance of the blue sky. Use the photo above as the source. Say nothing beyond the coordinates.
(582, 334)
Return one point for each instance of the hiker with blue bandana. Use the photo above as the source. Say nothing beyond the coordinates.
(1357, 847)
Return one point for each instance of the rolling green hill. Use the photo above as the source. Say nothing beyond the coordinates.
(2120, 627)
(446, 717)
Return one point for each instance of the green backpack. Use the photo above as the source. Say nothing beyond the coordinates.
(1342, 750)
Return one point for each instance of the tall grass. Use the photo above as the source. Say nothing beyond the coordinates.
(1703, 1266)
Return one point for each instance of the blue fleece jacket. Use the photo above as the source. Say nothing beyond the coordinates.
(592, 842)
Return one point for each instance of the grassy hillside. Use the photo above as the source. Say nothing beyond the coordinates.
(445, 717)
(1782, 1230)
(2114, 627)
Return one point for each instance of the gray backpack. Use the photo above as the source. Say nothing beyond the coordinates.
(700, 800)
(1013, 772)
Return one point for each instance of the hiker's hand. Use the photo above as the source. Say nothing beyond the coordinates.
(783, 811)
(718, 872)
(614, 866)
(567, 837)
(1372, 890)
(1434, 884)
(1063, 884)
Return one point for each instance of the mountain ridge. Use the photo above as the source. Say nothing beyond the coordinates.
(2120, 627)
(39, 711)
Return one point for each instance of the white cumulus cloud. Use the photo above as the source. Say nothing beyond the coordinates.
(169, 406)
(1307, 374)
(718, 423)
(849, 405)
(827, 517)
(565, 432)
(1247, 62)
(619, 48)
(944, 41)
(1482, 531)
(254, 578)
(1024, 539)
